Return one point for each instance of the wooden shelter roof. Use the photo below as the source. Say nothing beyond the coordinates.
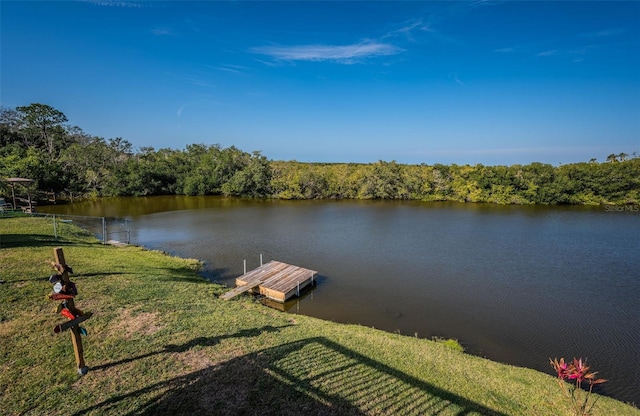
(19, 180)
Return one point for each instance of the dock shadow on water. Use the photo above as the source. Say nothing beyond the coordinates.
(313, 376)
(292, 304)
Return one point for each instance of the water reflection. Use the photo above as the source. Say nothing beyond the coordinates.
(293, 304)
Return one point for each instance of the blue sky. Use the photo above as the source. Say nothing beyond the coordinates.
(492, 82)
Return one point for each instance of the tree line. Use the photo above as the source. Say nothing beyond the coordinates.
(36, 143)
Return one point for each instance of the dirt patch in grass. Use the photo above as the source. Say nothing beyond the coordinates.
(130, 324)
(8, 327)
(196, 360)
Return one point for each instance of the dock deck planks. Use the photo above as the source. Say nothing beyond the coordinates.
(275, 280)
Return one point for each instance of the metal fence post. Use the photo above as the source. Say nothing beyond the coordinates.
(104, 230)
(90, 224)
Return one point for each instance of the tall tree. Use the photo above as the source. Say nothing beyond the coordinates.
(42, 124)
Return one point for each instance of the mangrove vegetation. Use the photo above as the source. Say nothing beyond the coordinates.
(36, 142)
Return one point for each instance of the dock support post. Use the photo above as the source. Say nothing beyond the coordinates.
(245, 265)
(260, 259)
(298, 289)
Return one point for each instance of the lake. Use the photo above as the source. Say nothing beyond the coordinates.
(516, 284)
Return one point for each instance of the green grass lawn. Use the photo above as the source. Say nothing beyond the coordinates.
(161, 342)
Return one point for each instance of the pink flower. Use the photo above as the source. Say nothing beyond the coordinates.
(577, 370)
(560, 366)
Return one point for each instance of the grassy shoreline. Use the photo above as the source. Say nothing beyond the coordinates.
(161, 342)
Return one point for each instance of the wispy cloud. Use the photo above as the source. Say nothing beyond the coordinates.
(603, 33)
(200, 82)
(116, 3)
(548, 53)
(162, 32)
(198, 106)
(456, 79)
(345, 54)
(483, 3)
(408, 28)
(580, 51)
(234, 69)
(272, 64)
(505, 50)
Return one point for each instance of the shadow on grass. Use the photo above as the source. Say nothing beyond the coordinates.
(99, 274)
(200, 341)
(314, 376)
(186, 275)
(32, 240)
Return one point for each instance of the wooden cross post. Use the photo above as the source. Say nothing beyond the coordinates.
(61, 267)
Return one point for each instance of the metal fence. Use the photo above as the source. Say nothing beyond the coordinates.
(104, 228)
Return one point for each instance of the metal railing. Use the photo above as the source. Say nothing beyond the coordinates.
(104, 229)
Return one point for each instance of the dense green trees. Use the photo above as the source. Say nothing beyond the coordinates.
(537, 183)
(35, 143)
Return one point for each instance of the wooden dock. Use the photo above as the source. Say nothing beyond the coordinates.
(275, 280)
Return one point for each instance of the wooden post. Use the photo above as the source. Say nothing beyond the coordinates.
(13, 195)
(30, 203)
(76, 339)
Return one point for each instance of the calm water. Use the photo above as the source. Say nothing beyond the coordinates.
(516, 284)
